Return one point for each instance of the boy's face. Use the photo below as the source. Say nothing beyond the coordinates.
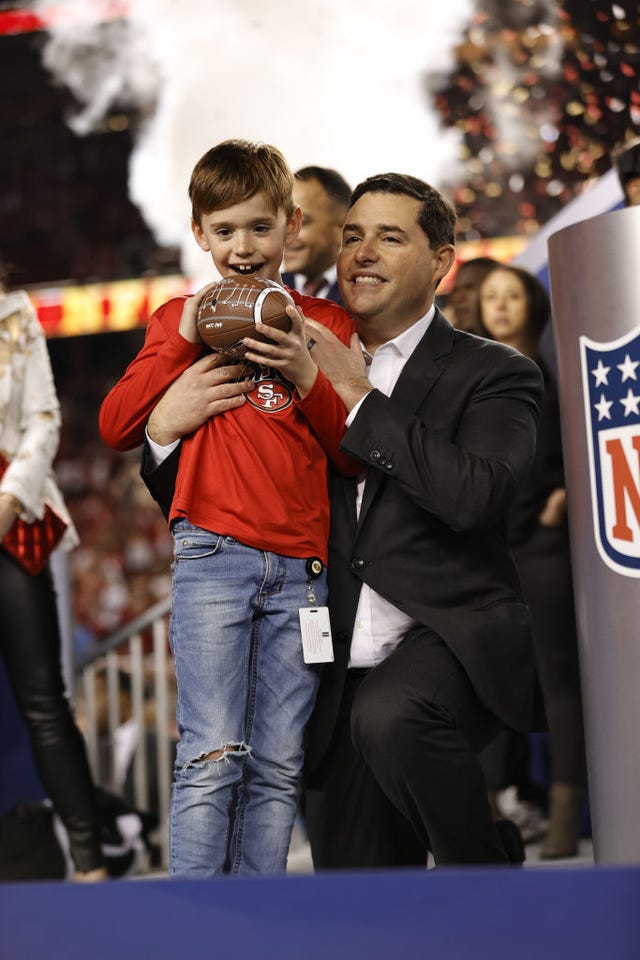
(248, 238)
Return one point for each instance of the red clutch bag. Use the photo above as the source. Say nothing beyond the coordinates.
(31, 544)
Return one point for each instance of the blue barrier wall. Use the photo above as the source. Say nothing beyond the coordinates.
(500, 914)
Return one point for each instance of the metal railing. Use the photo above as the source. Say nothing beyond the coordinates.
(128, 680)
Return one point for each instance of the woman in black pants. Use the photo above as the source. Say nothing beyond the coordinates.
(29, 632)
(514, 308)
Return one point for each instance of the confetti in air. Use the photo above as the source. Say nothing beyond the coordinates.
(542, 92)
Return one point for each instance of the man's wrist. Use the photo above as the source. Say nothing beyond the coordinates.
(160, 433)
(163, 438)
(352, 392)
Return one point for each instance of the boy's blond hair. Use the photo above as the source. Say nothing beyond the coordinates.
(236, 170)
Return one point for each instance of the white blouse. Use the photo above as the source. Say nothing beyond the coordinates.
(29, 413)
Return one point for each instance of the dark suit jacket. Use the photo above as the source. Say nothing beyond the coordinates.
(333, 293)
(445, 454)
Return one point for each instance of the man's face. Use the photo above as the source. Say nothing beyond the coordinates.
(316, 247)
(386, 267)
(247, 238)
(463, 296)
(632, 191)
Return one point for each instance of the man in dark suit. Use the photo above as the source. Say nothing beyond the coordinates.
(310, 261)
(432, 640)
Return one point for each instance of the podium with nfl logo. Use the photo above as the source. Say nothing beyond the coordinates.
(594, 269)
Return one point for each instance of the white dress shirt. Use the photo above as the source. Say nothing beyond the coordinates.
(379, 626)
(159, 452)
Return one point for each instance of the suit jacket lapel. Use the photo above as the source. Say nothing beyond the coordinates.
(420, 373)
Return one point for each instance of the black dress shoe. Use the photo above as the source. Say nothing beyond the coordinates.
(511, 840)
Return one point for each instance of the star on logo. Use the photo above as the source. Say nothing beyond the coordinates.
(600, 373)
(630, 403)
(603, 407)
(628, 368)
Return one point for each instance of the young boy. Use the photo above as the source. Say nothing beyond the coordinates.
(250, 511)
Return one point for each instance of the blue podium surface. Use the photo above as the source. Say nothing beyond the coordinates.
(502, 914)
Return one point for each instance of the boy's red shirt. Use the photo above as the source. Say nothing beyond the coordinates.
(257, 473)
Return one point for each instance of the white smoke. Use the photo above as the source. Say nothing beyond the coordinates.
(519, 119)
(339, 83)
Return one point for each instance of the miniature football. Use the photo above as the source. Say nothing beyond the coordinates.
(230, 310)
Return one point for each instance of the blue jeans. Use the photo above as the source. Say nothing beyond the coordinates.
(244, 697)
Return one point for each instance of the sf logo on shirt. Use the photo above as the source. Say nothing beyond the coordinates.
(271, 393)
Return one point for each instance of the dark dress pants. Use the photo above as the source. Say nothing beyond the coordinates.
(30, 648)
(401, 776)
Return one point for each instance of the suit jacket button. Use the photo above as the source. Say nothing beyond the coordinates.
(357, 564)
(375, 455)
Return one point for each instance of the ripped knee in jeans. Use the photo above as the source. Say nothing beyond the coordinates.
(223, 753)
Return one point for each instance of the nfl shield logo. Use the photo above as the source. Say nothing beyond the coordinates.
(611, 389)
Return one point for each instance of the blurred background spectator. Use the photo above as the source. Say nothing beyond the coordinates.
(310, 260)
(462, 300)
(514, 308)
(627, 160)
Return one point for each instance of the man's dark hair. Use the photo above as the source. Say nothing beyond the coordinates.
(330, 180)
(437, 217)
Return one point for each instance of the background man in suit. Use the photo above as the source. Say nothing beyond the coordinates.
(433, 651)
(310, 261)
